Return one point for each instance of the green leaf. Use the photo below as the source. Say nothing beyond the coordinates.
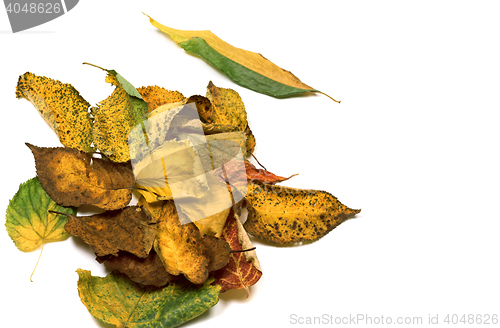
(239, 73)
(248, 69)
(28, 221)
(116, 300)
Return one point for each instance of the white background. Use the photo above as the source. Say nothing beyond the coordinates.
(414, 144)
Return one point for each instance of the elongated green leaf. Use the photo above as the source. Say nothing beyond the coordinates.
(28, 221)
(248, 69)
(116, 300)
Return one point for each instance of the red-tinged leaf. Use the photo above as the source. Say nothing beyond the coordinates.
(243, 269)
(260, 175)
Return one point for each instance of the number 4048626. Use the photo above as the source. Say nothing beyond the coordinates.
(32, 8)
(472, 319)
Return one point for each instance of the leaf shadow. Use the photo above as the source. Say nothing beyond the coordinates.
(101, 324)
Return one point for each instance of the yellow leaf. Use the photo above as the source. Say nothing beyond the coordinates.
(61, 106)
(228, 109)
(286, 215)
(156, 96)
(180, 247)
(186, 172)
(114, 118)
(249, 69)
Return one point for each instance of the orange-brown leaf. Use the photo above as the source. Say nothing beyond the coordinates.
(70, 179)
(243, 269)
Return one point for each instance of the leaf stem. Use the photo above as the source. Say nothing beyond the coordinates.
(36, 265)
(338, 101)
(85, 63)
(258, 162)
(243, 250)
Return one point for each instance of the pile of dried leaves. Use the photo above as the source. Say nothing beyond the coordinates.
(167, 268)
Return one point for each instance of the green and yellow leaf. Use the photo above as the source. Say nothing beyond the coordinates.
(116, 300)
(116, 116)
(28, 221)
(246, 68)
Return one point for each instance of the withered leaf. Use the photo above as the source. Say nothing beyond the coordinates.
(180, 247)
(260, 175)
(147, 271)
(131, 229)
(62, 107)
(228, 109)
(203, 106)
(243, 269)
(156, 96)
(116, 116)
(218, 251)
(73, 178)
(286, 215)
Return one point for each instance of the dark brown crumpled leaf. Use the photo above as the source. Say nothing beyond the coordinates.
(131, 229)
(218, 251)
(147, 271)
(73, 178)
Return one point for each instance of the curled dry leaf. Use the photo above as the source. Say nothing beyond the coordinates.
(131, 229)
(61, 106)
(28, 220)
(285, 215)
(147, 271)
(218, 251)
(116, 300)
(243, 269)
(229, 110)
(180, 247)
(68, 177)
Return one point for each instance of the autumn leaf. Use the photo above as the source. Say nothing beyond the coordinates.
(147, 271)
(180, 162)
(180, 247)
(204, 107)
(213, 224)
(287, 215)
(261, 175)
(61, 106)
(229, 110)
(248, 69)
(70, 179)
(116, 300)
(156, 96)
(218, 251)
(253, 174)
(28, 221)
(116, 116)
(243, 269)
(131, 229)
